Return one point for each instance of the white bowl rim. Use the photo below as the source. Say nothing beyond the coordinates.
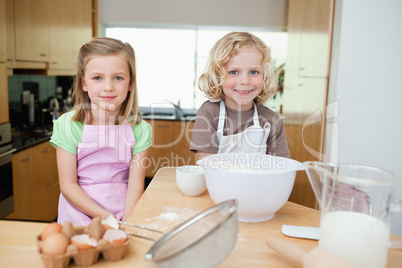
(198, 170)
(294, 165)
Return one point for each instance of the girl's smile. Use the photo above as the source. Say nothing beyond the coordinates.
(108, 98)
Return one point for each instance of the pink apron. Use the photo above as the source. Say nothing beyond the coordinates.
(103, 162)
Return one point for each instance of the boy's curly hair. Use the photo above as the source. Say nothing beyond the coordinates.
(212, 80)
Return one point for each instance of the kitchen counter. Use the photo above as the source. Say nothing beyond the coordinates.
(163, 207)
(22, 142)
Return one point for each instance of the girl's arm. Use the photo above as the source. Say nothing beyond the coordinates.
(136, 179)
(201, 155)
(72, 192)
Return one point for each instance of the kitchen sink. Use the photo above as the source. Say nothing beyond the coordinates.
(167, 113)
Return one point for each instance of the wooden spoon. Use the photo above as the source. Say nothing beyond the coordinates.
(316, 258)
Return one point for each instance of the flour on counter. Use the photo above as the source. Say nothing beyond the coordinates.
(171, 218)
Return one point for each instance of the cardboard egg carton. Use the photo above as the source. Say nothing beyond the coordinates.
(84, 257)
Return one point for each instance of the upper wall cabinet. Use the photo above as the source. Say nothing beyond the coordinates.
(9, 7)
(308, 55)
(31, 30)
(311, 23)
(70, 28)
(60, 26)
(46, 34)
(3, 42)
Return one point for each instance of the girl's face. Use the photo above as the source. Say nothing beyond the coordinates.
(107, 81)
(244, 79)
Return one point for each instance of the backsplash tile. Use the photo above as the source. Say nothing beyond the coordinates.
(47, 86)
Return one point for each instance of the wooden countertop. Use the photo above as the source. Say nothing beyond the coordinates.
(163, 207)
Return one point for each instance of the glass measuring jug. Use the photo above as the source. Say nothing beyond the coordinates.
(356, 205)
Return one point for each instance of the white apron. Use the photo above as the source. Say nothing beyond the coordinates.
(252, 140)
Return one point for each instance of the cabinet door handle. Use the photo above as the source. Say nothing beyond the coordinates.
(164, 126)
(45, 151)
(26, 159)
(301, 68)
(43, 54)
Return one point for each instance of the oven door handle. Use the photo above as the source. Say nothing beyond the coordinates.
(8, 152)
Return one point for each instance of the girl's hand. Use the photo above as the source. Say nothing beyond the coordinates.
(107, 215)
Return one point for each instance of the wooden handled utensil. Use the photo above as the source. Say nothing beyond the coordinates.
(316, 258)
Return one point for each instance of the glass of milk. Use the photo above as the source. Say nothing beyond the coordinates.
(355, 204)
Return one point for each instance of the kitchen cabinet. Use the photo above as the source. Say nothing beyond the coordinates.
(306, 85)
(309, 37)
(170, 145)
(36, 185)
(305, 95)
(4, 112)
(61, 26)
(31, 30)
(315, 37)
(3, 43)
(70, 27)
(47, 34)
(182, 136)
(308, 55)
(9, 17)
(301, 141)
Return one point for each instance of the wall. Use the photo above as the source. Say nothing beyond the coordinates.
(365, 84)
(259, 13)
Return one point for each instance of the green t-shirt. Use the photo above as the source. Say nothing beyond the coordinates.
(67, 134)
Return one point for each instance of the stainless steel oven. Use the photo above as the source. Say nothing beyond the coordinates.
(6, 171)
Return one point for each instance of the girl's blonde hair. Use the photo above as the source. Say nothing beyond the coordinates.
(104, 46)
(214, 77)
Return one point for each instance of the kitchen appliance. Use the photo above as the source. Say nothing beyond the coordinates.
(6, 178)
(30, 102)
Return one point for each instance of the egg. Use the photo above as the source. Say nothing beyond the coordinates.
(51, 228)
(110, 223)
(115, 237)
(83, 241)
(55, 244)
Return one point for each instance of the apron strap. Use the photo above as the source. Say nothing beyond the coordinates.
(266, 128)
(221, 122)
(255, 116)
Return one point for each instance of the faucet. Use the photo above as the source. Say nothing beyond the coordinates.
(177, 109)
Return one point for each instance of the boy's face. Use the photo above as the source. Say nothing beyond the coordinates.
(244, 79)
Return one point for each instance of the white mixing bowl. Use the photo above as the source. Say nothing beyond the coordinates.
(261, 183)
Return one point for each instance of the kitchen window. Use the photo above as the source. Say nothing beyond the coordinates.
(169, 61)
